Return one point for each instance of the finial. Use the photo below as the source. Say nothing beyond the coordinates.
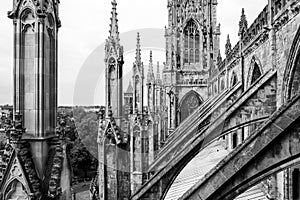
(227, 46)
(150, 76)
(138, 49)
(114, 30)
(243, 24)
(150, 57)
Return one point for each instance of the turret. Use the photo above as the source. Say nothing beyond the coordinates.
(138, 79)
(228, 46)
(114, 68)
(36, 27)
(243, 24)
(151, 85)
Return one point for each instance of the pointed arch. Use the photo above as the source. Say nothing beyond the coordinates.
(16, 190)
(112, 78)
(255, 71)
(234, 79)
(222, 84)
(291, 79)
(189, 103)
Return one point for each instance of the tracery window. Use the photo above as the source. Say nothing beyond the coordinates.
(191, 43)
(16, 191)
(189, 104)
(234, 79)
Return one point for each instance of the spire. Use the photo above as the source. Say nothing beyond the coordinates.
(227, 46)
(138, 50)
(150, 76)
(114, 30)
(243, 24)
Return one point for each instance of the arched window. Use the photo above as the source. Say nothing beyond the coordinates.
(222, 85)
(191, 43)
(215, 88)
(111, 80)
(256, 73)
(234, 79)
(234, 140)
(189, 104)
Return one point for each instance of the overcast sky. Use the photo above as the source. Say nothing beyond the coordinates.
(85, 26)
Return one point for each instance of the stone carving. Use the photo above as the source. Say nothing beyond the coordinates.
(189, 104)
(17, 192)
(54, 190)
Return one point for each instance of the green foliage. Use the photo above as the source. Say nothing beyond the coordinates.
(87, 127)
(81, 133)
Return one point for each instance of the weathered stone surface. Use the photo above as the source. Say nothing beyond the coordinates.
(268, 152)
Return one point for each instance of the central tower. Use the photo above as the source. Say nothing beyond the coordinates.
(192, 48)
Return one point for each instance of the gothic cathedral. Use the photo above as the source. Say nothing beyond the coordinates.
(131, 133)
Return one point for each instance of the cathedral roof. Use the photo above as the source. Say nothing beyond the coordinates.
(197, 168)
(138, 59)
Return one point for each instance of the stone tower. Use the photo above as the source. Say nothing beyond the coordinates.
(114, 68)
(192, 47)
(36, 26)
(113, 156)
(37, 166)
